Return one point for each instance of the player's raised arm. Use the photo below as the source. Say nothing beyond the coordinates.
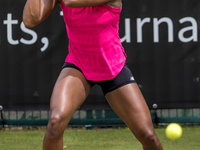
(86, 3)
(35, 11)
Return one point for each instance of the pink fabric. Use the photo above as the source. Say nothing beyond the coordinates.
(94, 43)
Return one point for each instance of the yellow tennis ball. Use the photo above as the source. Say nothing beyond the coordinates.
(173, 131)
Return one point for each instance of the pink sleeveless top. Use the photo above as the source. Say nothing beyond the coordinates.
(94, 43)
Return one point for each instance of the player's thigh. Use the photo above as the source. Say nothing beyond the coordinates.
(129, 104)
(70, 91)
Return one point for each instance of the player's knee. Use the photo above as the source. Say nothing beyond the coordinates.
(54, 127)
(150, 139)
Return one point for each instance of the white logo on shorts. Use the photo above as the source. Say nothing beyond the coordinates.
(132, 78)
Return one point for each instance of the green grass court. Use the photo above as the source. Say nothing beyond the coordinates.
(102, 139)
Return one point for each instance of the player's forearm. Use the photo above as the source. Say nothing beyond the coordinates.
(35, 11)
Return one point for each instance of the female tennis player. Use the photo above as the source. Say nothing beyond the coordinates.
(96, 56)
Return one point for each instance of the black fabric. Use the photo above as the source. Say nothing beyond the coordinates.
(70, 65)
(123, 78)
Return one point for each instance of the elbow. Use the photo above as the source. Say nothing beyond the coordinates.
(28, 20)
(29, 23)
(70, 3)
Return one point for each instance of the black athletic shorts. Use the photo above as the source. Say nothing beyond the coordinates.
(123, 78)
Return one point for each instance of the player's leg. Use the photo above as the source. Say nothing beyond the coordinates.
(129, 104)
(69, 93)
